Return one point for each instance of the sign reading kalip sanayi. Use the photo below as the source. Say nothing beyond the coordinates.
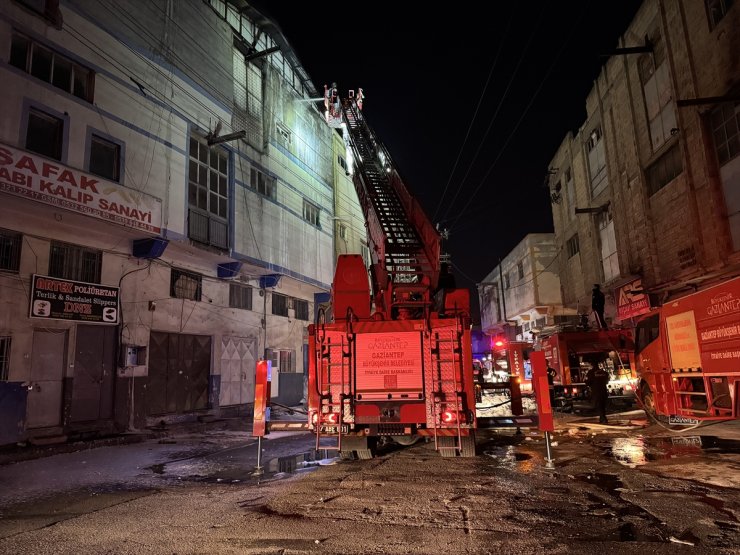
(61, 299)
(43, 180)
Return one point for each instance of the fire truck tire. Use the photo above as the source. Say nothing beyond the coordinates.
(467, 445)
(406, 440)
(446, 442)
(648, 401)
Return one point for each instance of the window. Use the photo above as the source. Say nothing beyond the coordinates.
(263, 184)
(311, 213)
(105, 158)
(507, 283)
(342, 162)
(725, 121)
(572, 247)
(75, 263)
(656, 88)
(520, 270)
(597, 161)
(10, 250)
(716, 10)
(283, 134)
(279, 304)
(208, 195)
(47, 65)
(240, 296)
(301, 309)
(608, 239)
(664, 170)
(283, 360)
(185, 285)
(4, 358)
(646, 332)
(45, 134)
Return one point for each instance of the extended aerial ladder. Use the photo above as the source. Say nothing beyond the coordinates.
(391, 358)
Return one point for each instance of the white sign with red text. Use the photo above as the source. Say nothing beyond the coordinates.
(38, 178)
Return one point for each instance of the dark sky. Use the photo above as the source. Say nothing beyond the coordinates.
(425, 70)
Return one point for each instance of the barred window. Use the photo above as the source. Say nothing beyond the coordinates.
(262, 183)
(240, 296)
(75, 263)
(279, 304)
(664, 170)
(572, 247)
(10, 250)
(4, 358)
(185, 285)
(310, 213)
(45, 64)
(301, 309)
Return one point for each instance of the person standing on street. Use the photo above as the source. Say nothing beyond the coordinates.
(551, 373)
(597, 379)
(597, 305)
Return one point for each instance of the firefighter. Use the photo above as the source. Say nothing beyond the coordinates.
(551, 373)
(597, 379)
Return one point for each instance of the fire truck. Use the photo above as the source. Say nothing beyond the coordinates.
(688, 355)
(392, 355)
(572, 353)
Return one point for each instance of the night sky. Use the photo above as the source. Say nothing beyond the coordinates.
(425, 73)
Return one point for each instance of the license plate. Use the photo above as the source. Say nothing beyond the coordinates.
(682, 421)
(333, 429)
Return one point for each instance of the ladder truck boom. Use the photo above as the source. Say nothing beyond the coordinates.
(395, 361)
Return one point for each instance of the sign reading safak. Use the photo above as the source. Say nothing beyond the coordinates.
(61, 299)
(35, 177)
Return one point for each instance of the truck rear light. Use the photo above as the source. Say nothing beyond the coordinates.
(332, 417)
(449, 416)
(314, 417)
(565, 390)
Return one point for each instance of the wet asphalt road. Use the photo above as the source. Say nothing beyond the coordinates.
(610, 491)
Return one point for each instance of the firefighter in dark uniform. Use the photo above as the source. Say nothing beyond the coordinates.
(597, 379)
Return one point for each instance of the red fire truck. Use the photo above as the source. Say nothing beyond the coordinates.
(392, 357)
(572, 353)
(688, 355)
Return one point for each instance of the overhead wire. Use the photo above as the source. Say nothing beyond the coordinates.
(481, 143)
(522, 116)
(475, 114)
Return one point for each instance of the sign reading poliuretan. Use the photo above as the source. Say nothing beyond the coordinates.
(38, 178)
(389, 361)
(61, 299)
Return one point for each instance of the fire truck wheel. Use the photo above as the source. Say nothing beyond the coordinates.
(406, 440)
(467, 445)
(648, 402)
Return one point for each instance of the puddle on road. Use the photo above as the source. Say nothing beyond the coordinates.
(273, 469)
(638, 451)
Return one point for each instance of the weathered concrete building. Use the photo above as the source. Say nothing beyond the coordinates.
(521, 295)
(645, 194)
(167, 215)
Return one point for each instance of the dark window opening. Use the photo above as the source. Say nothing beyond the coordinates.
(301, 309)
(10, 250)
(279, 304)
(105, 158)
(185, 285)
(75, 263)
(240, 296)
(45, 134)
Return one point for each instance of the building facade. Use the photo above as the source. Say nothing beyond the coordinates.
(521, 295)
(645, 194)
(168, 211)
